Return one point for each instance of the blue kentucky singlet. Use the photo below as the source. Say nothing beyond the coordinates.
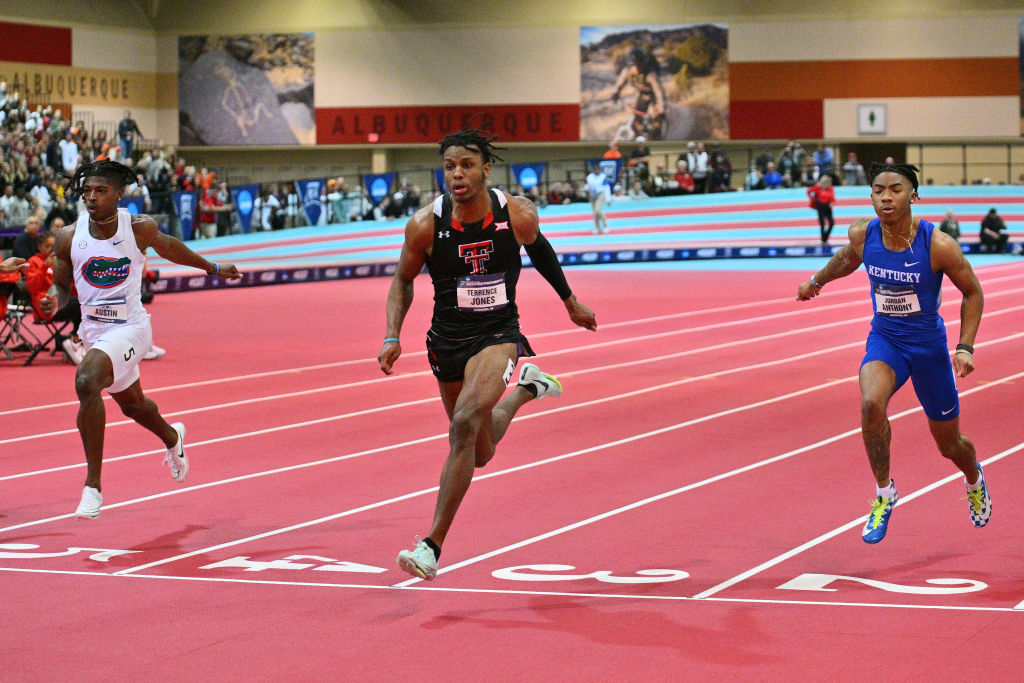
(905, 293)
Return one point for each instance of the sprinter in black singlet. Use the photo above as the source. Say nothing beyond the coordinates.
(470, 239)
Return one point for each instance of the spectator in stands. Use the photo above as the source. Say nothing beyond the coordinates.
(53, 226)
(993, 233)
(210, 207)
(613, 151)
(683, 179)
(762, 159)
(18, 208)
(721, 173)
(700, 165)
(70, 156)
(25, 243)
(772, 177)
(808, 172)
(950, 225)
(755, 179)
(294, 215)
(825, 158)
(337, 201)
(636, 191)
(788, 167)
(224, 220)
(38, 279)
(139, 189)
(822, 196)
(267, 210)
(853, 171)
(127, 129)
(60, 210)
(557, 194)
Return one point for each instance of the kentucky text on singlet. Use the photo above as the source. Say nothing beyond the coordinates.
(474, 268)
(905, 293)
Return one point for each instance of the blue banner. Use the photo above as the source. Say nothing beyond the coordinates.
(185, 207)
(378, 186)
(243, 198)
(439, 177)
(312, 202)
(135, 205)
(611, 168)
(529, 175)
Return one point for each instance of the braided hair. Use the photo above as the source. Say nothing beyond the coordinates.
(908, 171)
(472, 138)
(119, 174)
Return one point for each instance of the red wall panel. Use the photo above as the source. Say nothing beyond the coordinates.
(772, 119)
(35, 44)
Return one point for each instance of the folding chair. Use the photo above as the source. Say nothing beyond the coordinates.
(55, 333)
(15, 335)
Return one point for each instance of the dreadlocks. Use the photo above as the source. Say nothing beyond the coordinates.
(472, 138)
(908, 171)
(119, 174)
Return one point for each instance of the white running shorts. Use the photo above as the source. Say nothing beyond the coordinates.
(125, 345)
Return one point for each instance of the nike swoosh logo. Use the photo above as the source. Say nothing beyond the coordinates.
(908, 265)
(947, 412)
(118, 242)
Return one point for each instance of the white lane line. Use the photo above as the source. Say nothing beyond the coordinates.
(504, 591)
(704, 482)
(846, 527)
(565, 456)
(672, 316)
(654, 359)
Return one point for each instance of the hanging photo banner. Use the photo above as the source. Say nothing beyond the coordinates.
(184, 206)
(439, 177)
(529, 175)
(312, 201)
(378, 185)
(243, 197)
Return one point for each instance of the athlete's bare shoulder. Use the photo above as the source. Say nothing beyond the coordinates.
(419, 230)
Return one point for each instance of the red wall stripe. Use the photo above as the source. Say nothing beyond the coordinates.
(770, 119)
(35, 44)
(967, 77)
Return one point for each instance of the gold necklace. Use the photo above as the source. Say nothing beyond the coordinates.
(912, 232)
(114, 218)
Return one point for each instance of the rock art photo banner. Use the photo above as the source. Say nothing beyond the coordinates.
(246, 90)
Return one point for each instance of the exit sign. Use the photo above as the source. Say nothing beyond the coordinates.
(871, 119)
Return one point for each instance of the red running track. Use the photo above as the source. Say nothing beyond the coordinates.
(692, 503)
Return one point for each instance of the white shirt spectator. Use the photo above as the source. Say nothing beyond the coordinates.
(264, 209)
(69, 154)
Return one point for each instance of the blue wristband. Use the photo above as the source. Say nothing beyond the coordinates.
(216, 269)
(391, 339)
(815, 283)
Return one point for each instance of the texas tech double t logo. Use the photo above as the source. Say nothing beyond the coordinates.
(476, 254)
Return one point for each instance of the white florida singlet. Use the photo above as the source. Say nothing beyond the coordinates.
(108, 276)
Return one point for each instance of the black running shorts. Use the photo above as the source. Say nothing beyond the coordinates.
(448, 357)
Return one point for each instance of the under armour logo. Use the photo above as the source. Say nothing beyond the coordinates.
(444, 233)
(475, 254)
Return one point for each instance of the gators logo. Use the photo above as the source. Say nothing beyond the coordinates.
(104, 273)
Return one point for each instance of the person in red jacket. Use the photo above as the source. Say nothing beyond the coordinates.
(823, 195)
(38, 279)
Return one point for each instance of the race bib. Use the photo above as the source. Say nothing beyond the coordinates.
(106, 310)
(482, 292)
(896, 301)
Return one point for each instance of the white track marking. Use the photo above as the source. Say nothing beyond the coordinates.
(497, 591)
(846, 527)
(614, 366)
(638, 321)
(565, 456)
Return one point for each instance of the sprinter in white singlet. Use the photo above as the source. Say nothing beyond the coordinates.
(103, 255)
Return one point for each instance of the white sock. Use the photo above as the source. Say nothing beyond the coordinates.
(976, 485)
(888, 492)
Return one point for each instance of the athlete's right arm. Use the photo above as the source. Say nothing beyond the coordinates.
(842, 263)
(60, 291)
(419, 239)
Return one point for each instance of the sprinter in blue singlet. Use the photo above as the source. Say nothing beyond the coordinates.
(906, 259)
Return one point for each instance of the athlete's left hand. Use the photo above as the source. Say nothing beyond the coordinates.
(228, 272)
(963, 364)
(580, 314)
